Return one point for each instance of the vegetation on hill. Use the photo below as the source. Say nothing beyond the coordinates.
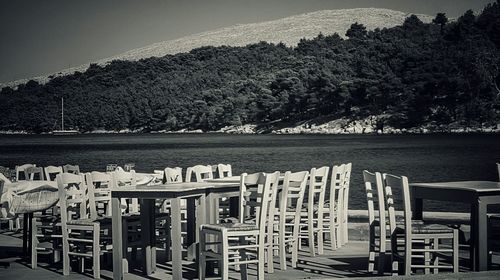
(414, 74)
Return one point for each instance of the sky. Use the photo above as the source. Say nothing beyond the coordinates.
(42, 37)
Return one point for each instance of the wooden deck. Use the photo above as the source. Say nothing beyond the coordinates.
(349, 261)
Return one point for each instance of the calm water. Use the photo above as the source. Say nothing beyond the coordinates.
(420, 157)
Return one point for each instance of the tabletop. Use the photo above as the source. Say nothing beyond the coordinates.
(472, 186)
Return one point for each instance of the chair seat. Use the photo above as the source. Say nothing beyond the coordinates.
(430, 228)
(231, 226)
(495, 217)
(90, 222)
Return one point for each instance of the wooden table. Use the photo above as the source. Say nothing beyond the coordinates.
(204, 193)
(479, 194)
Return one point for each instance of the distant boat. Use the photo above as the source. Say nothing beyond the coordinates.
(64, 131)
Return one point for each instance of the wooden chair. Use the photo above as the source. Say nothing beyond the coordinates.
(34, 173)
(312, 215)
(122, 179)
(111, 167)
(428, 236)
(52, 171)
(81, 233)
(173, 175)
(290, 205)
(344, 237)
(256, 196)
(333, 210)
(20, 171)
(224, 170)
(68, 168)
(102, 186)
(376, 220)
(200, 172)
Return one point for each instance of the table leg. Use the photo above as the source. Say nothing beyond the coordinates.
(482, 237)
(117, 238)
(234, 204)
(176, 238)
(26, 223)
(418, 209)
(147, 231)
(191, 225)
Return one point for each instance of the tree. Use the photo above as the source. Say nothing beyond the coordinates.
(441, 20)
(356, 31)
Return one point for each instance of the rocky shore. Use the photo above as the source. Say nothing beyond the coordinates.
(369, 125)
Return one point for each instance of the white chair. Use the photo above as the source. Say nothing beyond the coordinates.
(256, 195)
(312, 215)
(80, 233)
(344, 237)
(52, 171)
(429, 237)
(34, 173)
(200, 172)
(173, 175)
(122, 179)
(376, 220)
(224, 170)
(21, 171)
(68, 168)
(288, 216)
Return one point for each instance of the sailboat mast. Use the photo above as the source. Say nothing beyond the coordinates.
(62, 113)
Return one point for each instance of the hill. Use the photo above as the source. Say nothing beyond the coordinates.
(288, 30)
(417, 76)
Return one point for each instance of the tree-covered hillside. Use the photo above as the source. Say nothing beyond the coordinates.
(414, 74)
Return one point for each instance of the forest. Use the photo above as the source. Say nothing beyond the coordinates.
(446, 72)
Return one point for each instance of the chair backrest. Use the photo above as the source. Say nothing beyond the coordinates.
(4, 178)
(34, 173)
(20, 171)
(120, 179)
(292, 196)
(201, 173)
(100, 185)
(111, 167)
(52, 171)
(392, 182)
(337, 187)
(224, 170)
(173, 175)
(317, 188)
(68, 168)
(345, 201)
(129, 167)
(73, 197)
(374, 188)
(498, 167)
(257, 193)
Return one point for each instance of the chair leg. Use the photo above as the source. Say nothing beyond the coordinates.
(282, 249)
(270, 254)
(436, 256)
(427, 256)
(243, 267)
(261, 256)
(371, 252)
(310, 235)
(202, 263)
(295, 252)
(96, 252)
(456, 251)
(381, 255)
(34, 243)
(225, 257)
(394, 250)
(65, 256)
(408, 257)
